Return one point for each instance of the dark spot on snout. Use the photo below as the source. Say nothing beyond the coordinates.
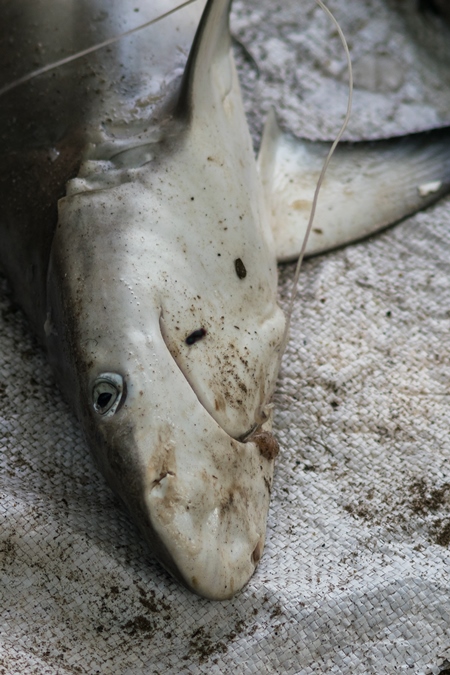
(240, 268)
(194, 337)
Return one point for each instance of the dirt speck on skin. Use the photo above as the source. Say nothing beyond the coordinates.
(267, 444)
(227, 502)
(240, 268)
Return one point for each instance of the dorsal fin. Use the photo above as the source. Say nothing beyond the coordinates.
(208, 63)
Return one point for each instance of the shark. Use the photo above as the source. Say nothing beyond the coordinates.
(141, 237)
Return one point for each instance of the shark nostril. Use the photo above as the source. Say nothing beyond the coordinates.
(257, 553)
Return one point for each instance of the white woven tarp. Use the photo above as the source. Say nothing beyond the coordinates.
(355, 575)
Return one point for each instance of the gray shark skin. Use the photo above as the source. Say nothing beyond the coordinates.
(141, 239)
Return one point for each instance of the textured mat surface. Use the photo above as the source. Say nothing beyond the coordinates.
(355, 576)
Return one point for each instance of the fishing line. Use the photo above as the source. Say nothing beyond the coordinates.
(89, 50)
(294, 291)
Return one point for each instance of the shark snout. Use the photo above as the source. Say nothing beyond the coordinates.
(210, 516)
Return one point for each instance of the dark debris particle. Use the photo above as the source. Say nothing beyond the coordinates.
(267, 444)
(139, 624)
(240, 268)
(202, 646)
(427, 498)
(277, 611)
(441, 533)
(359, 510)
(194, 337)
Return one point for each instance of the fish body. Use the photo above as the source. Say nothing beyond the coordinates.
(138, 235)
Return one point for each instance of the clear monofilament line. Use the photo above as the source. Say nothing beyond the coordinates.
(294, 290)
(89, 50)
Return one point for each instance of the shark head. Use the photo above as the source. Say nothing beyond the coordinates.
(164, 325)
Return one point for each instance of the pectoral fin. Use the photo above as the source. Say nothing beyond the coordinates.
(368, 185)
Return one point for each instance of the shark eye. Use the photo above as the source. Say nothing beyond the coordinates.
(107, 393)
